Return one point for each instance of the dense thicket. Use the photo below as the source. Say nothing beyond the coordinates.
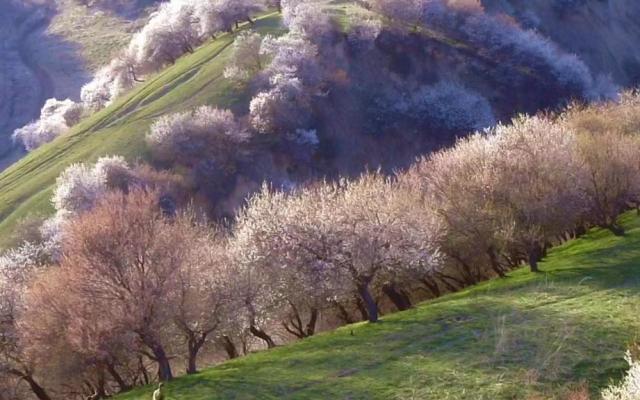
(336, 241)
(326, 100)
(399, 74)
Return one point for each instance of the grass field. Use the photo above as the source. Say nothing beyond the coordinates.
(529, 336)
(196, 79)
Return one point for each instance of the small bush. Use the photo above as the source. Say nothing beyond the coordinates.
(204, 133)
(56, 117)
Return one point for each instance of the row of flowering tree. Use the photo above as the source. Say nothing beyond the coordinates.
(129, 277)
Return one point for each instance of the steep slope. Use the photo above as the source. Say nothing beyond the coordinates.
(196, 79)
(603, 32)
(51, 49)
(528, 336)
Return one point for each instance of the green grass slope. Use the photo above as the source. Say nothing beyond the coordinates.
(196, 79)
(529, 336)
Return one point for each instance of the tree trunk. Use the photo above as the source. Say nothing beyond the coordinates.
(100, 389)
(534, 256)
(468, 276)
(159, 355)
(295, 321)
(432, 286)
(313, 320)
(343, 314)
(451, 288)
(446, 281)
(143, 371)
(259, 333)
(117, 377)
(194, 345)
(229, 347)
(364, 315)
(191, 363)
(296, 327)
(37, 390)
(132, 71)
(164, 367)
(397, 296)
(616, 229)
(495, 265)
(245, 346)
(90, 389)
(369, 302)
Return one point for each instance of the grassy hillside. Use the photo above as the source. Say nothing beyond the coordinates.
(529, 336)
(98, 34)
(196, 79)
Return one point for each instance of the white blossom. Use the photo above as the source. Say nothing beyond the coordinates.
(629, 388)
(56, 117)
